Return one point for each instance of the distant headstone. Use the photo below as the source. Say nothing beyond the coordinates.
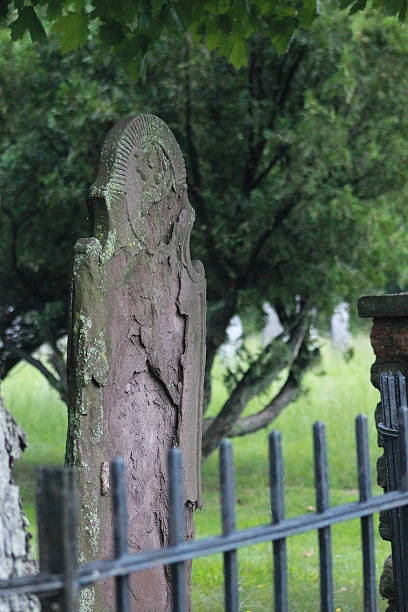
(235, 333)
(136, 350)
(273, 327)
(233, 342)
(15, 553)
(340, 328)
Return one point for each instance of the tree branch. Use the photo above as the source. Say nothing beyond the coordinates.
(260, 374)
(191, 148)
(58, 362)
(281, 96)
(280, 216)
(27, 283)
(194, 186)
(287, 394)
(261, 419)
(252, 155)
(53, 380)
(287, 82)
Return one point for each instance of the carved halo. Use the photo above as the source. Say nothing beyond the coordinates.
(130, 136)
(140, 153)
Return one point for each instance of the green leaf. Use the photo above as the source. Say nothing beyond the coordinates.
(27, 20)
(391, 7)
(111, 33)
(4, 9)
(176, 19)
(284, 31)
(157, 6)
(54, 9)
(217, 7)
(403, 10)
(395, 7)
(73, 31)
(20, 26)
(225, 24)
(78, 5)
(238, 55)
(213, 40)
(353, 5)
(308, 12)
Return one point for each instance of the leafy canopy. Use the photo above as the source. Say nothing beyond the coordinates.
(297, 166)
(130, 29)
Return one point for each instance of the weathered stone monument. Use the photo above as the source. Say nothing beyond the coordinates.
(136, 350)
(15, 553)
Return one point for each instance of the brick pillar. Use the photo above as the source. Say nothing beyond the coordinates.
(389, 339)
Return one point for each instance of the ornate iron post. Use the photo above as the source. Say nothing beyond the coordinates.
(389, 339)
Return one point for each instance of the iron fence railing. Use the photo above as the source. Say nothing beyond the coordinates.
(393, 399)
(61, 577)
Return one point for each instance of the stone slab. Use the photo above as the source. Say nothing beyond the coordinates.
(379, 306)
(136, 353)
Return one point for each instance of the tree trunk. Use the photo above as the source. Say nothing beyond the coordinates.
(285, 396)
(15, 553)
(260, 374)
(59, 382)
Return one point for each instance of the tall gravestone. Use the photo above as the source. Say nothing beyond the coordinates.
(136, 350)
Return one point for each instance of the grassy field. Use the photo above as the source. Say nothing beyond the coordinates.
(336, 392)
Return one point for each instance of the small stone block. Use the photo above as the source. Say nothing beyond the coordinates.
(378, 306)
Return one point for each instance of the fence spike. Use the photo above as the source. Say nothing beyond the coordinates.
(322, 504)
(391, 428)
(367, 524)
(402, 512)
(227, 487)
(120, 529)
(176, 524)
(59, 574)
(403, 432)
(403, 419)
(57, 512)
(276, 471)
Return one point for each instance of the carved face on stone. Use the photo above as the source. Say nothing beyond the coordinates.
(156, 184)
(147, 179)
(156, 175)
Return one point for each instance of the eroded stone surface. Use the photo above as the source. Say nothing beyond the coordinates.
(387, 585)
(389, 338)
(15, 553)
(136, 348)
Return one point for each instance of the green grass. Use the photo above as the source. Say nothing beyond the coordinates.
(38, 410)
(335, 398)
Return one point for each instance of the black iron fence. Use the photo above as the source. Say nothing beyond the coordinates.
(393, 399)
(62, 578)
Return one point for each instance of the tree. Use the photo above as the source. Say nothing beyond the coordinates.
(132, 29)
(45, 168)
(296, 166)
(284, 183)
